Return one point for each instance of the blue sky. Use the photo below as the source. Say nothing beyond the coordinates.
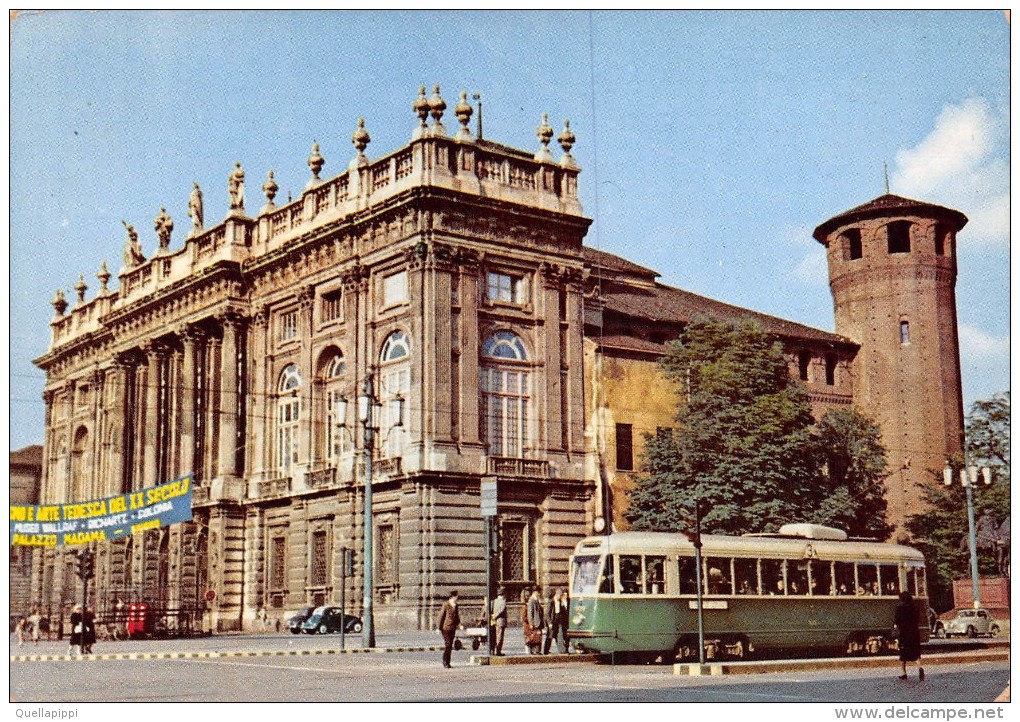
(711, 143)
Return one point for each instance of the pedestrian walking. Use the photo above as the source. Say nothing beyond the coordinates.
(88, 630)
(263, 616)
(905, 622)
(549, 609)
(20, 629)
(533, 623)
(35, 624)
(498, 620)
(562, 620)
(449, 623)
(76, 629)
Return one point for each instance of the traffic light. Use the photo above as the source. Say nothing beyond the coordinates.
(86, 564)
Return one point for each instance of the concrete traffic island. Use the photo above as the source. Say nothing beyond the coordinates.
(773, 666)
(504, 660)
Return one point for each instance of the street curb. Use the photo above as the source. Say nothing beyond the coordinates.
(492, 661)
(214, 655)
(806, 665)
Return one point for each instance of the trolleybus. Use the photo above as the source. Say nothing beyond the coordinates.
(808, 588)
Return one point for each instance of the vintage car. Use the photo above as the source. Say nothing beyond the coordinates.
(972, 623)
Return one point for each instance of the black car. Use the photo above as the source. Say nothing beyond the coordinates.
(326, 620)
(298, 619)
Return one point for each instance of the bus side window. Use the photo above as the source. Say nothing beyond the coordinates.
(772, 576)
(889, 579)
(687, 578)
(846, 582)
(867, 579)
(630, 574)
(746, 575)
(916, 581)
(797, 577)
(655, 575)
(821, 578)
(607, 585)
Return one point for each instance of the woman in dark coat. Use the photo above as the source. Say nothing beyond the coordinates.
(76, 630)
(906, 621)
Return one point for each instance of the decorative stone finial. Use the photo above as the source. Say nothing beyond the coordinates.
(545, 134)
(361, 138)
(437, 105)
(421, 107)
(195, 210)
(235, 188)
(463, 112)
(104, 278)
(567, 140)
(80, 288)
(269, 188)
(133, 255)
(58, 302)
(164, 227)
(315, 162)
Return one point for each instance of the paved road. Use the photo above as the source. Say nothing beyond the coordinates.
(417, 676)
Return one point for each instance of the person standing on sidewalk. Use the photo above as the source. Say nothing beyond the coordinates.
(498, 619)
(910, 639)
(449, 623)
(533, 623)
(76, 630)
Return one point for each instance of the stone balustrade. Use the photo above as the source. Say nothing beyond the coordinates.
(526, 468)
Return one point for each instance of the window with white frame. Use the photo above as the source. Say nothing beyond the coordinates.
(506, 287)
(395, 288)
(333, 377)
(506, 392)
(394, 389)
(288, 418)
(332, 308)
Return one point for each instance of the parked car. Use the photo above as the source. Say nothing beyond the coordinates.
(298, 619)
(326, 620)
(936, 627)
(972, 623)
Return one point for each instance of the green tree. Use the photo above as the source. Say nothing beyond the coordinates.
(941, 530)
(742, 439)
(853, 473)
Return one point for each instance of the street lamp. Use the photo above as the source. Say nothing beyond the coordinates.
(968, 478)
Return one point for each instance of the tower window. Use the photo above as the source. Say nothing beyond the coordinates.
(625, 447)
(804, 364)
(941, 235)
(830, 369)
(904, 332)
(899, 236)
(853, 237)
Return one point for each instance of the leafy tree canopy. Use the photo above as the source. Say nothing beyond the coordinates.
(745, 442)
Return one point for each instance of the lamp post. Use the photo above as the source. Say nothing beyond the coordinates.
(367, 413)
(968, 478)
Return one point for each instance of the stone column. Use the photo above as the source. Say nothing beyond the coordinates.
(551, 404)
(470, 394)
(227, 467)
(190, 337)
(97, 482)
(258, 410)
(150, 445)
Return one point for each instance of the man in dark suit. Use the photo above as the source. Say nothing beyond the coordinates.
(449, 623)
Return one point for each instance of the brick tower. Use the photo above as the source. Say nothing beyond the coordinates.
(892, 270)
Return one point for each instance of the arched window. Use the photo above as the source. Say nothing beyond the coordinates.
(506, 394)
(394, 389)
(333, 377)
(288, 418)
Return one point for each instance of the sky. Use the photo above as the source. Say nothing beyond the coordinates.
(711, 143)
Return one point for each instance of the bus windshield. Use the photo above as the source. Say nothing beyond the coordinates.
(586, 575)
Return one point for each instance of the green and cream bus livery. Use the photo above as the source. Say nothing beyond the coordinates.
(807, 588)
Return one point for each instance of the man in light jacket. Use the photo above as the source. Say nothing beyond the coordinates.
(498, 619)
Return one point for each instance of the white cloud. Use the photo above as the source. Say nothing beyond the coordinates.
(958, 165)
(978, 346)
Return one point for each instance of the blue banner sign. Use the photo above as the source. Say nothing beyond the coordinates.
(116, 517)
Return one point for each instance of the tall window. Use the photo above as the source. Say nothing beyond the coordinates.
(904, 332)
(830, 369)
(287, 325)
(804, 365)
(332, 305)
(517, 562)
(278, 563)
(288, 417)
(335, 436)
(394, 389)
(899, 236)
(395, 289)
(624, 447)
(506, 287)
(387, 570)
(320, 559)
(506, 389)
(854, 247)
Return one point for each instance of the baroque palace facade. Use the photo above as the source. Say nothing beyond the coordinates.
(451, 274)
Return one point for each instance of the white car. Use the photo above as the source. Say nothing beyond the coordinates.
(972, 623)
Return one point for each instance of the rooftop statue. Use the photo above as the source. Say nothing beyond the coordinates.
(133, 255)
(195, 209)
(164, 227)
(235, 187)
